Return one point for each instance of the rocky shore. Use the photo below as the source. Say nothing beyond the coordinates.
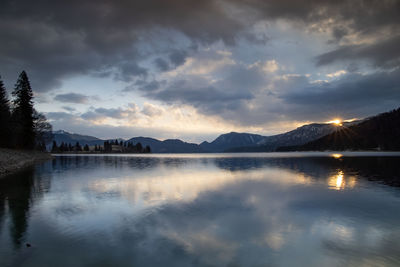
(12, 160)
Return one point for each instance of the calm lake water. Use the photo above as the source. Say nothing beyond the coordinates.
(287, 209)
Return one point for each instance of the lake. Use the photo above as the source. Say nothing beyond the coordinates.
(266, 209)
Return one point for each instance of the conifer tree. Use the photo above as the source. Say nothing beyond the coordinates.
(22, 115)
(54, 148)
(4, 117)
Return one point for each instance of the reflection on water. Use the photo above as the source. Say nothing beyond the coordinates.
(337, 155)
(330, 210)
(339, 181)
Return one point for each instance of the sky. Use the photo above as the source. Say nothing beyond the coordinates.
(194, 69)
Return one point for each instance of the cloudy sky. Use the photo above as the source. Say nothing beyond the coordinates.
(194, 69)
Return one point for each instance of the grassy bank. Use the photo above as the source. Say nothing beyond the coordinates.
(12, 160)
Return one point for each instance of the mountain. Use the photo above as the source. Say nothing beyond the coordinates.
(381, 132)
(167, 146)
(299, 136)
(230, 140)
(66, 137)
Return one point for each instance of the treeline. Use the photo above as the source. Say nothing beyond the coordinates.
(64, 147)
(108, 147)
(127, 147)
(22, 127)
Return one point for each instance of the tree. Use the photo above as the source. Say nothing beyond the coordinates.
(4, 117)
(78, 147)
(43, 129)
(22, 114)
(139, 147)
(86, 148)
(54, 148)
(147, 149)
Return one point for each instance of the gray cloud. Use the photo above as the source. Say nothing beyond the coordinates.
(53, 40)
(162, 64)
(363, 16)
(354, 94)
(376, 21)
(59, 116)
(177, 57)
(173, 60)
(72, 98)
(70, 109)
(116, 113)
(211, 98)
(143, 85)
(382, 54)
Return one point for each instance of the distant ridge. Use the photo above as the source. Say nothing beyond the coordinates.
(297, 136)
(167, 146)
(381, 132)
(230, 140)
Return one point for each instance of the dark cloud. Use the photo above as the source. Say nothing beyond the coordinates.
(178, 57)
(54, 40)
(226, 94)
(70, 109)
(362, 16)
(72, 98)
(59, 116)
(116, 113)
(162, 64)
(354, 94)
(174, 59)
(346, 20)
(383, 54)
(143, 85)
(127, 71)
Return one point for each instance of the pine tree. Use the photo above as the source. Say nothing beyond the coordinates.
(22, 115)
(54, 148)
(139, 147)
(4, 117)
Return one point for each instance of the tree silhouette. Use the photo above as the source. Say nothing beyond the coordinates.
(54, 148)
(4, 117)
(139, 147)
(22, 115)
(43, 129)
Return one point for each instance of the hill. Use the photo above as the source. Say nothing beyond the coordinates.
(66, 137)
(230, 140)
(298, 136)
(167, 146)
(381, 132)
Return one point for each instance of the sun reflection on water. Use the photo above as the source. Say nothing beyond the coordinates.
(337, 155)
(339, 181)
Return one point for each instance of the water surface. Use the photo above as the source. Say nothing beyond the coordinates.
(275, 209)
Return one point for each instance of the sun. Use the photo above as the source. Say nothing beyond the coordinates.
(337, 122)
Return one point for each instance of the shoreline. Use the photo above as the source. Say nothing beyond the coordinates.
(13, 160)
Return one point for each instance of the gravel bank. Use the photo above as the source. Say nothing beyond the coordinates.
(13, 160)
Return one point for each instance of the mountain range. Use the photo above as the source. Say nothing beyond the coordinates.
(361, 134)
(229, 142)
